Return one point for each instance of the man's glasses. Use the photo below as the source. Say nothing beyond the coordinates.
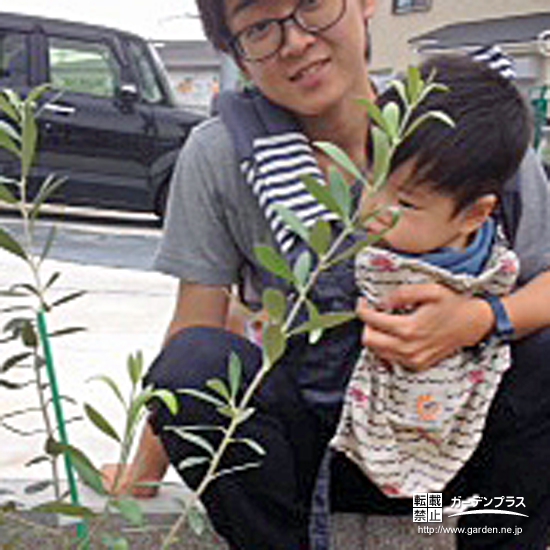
(263, 39)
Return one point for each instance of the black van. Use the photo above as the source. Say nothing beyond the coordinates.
(110, 124)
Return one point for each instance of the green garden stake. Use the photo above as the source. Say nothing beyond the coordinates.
(82, 527)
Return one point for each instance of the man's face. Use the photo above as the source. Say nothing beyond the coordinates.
(311, 73)
(427, 219)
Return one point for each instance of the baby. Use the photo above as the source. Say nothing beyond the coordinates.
(411, 432)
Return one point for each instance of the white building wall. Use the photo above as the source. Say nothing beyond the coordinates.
(390, 32)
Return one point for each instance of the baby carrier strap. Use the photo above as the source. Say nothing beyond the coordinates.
(274, 154)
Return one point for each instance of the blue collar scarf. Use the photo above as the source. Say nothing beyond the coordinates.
(471, 260)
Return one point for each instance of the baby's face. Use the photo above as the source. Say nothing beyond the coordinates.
(426, 219)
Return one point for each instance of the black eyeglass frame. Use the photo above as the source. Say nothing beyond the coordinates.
(236, 47)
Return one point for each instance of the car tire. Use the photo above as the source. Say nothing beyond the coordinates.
(161, 199)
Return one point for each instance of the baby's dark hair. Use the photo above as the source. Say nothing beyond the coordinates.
(493, 128)
(213, 17)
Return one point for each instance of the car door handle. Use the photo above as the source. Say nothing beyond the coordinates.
(60, 109)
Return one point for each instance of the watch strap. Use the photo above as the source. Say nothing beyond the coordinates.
(503, 329)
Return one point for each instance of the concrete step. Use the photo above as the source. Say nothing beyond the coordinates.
(349, 531)
(26, 529)
(358, 532)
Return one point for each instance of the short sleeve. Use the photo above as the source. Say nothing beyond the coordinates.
(532, 241)
(197, 245)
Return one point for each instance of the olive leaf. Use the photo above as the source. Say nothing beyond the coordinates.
(392, 115)
(100, 422)
(274, 302)
(235, 371)
(293, 221)
(10, 244)
(302, 269)
(381, 157)
(130, 510)
(340, 190)
(273, 262)
(193, 438)
(341, 158)
(64, 509)
(320, 237)
(325, 321)
(6, 195)
(135, 367)
(321, 193)
(274, 342)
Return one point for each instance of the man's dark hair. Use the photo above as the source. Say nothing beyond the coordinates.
(493, 128)
(213, 17)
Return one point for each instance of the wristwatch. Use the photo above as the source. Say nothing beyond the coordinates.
(503, 330)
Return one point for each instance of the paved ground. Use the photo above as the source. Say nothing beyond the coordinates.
(124, 310)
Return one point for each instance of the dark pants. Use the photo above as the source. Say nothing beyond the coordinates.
(268, 507)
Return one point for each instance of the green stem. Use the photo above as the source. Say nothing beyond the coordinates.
(324, 263)
(47, 421)
(214, 463)
(125, 448)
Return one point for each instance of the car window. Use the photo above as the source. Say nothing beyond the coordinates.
(148, 81)
(83, 67)
(13, 57)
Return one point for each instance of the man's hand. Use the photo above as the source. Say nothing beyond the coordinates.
(441, 322)
(149, 466)
(129, 481)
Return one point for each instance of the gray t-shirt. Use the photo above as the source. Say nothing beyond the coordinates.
(213, 220)
(532, 242)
